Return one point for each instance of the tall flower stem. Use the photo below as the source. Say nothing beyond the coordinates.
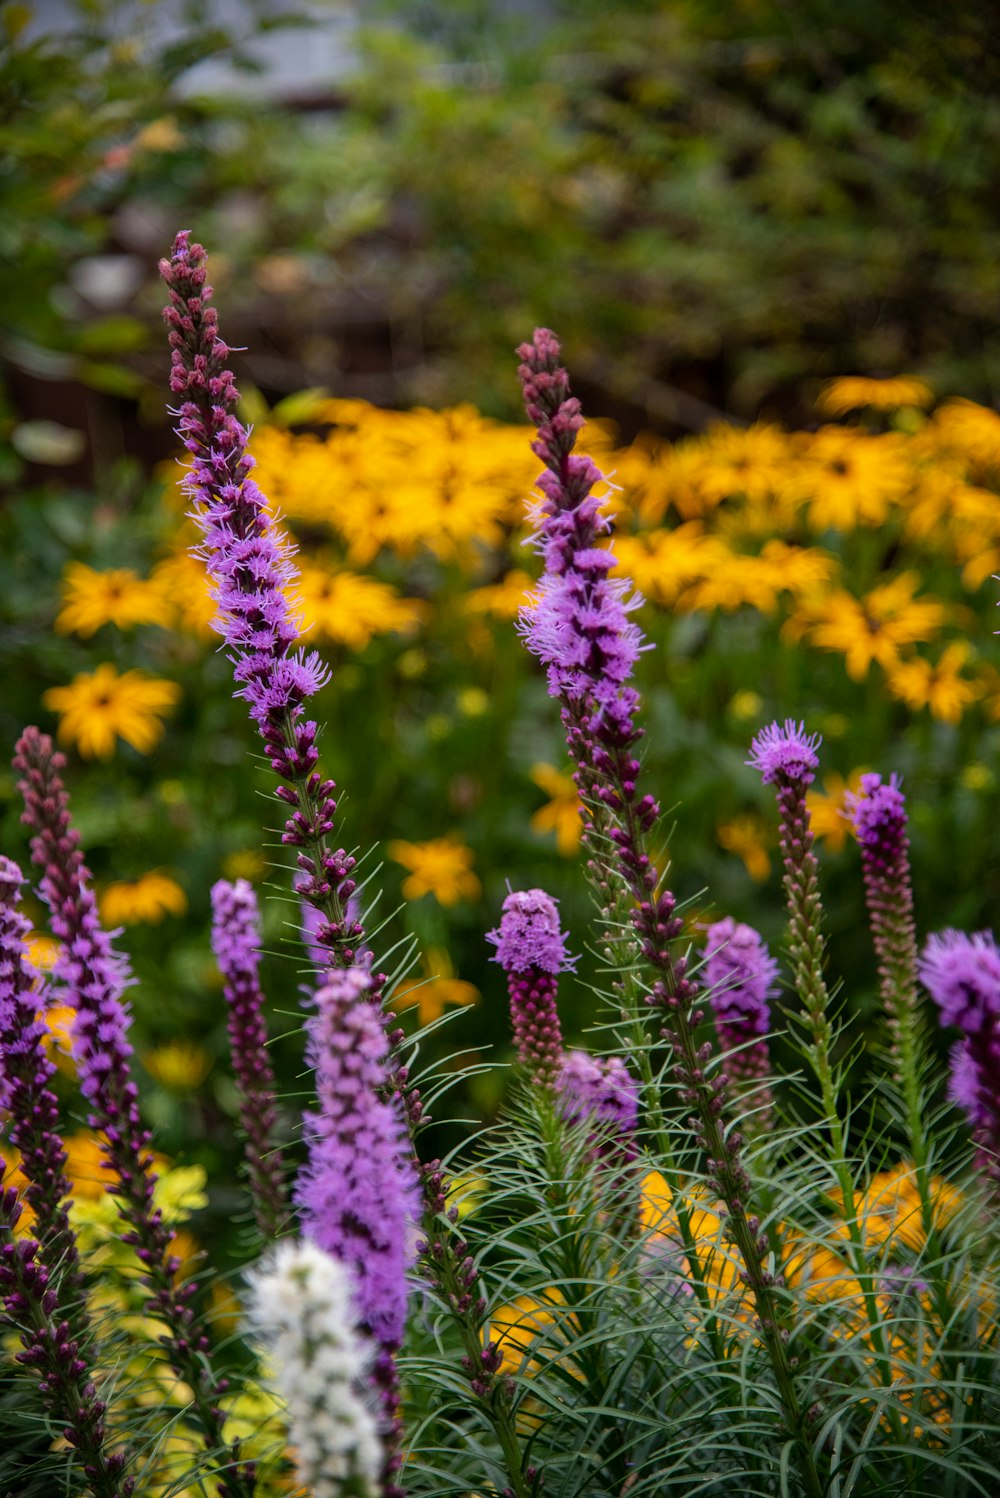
(578, 626)
(94, 977)
(249, 565)
(236, 942)
(31, 1302)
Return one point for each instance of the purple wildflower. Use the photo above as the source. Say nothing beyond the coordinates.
(531, 949)
(962, 975)
(357, 1194)
(740, 976)
(93, 977)
(601, 1090)
(785, 753)
(236, 940)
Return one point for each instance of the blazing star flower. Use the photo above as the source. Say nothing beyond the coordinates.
(740, 977)
(962, 975)
(785, 752)
(601, 1089)
(301, 1306)
(531, 949)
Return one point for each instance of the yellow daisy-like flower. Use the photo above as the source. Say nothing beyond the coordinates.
(872, 628)
(58, 1020)
(143, 901)
(749, 461)
(941, 687)
(178, 1064)
(101, 706)
(826, 808)
(118, 597)
(974, 431)
(855, 392)
(438, 988)
(42, 951)
(441, 867)
(186, 583)
(561, 814)
(504, 599)
(851, 479)
(745, 836)
(350, 609)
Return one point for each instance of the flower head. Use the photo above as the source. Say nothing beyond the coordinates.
(130, 902)
(878, 813)
(740, 976)
(441, 867)
(116, 597)
(600, 1089)
(962, 975)
(785, 752)
(529, 935)
(101, 706)
(301, 1307)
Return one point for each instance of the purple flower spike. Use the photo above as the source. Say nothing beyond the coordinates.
(962, 975)
(357, 1194)
(785, 753)
(740, 977)
(602, 1090)
(531, 948)
(235, 940)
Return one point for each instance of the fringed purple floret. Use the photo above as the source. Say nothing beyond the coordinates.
(531, 948)
(962, 975)
(740, 977)
(786, 752)
(236, 941)
(357, 1194)
(601, 1091)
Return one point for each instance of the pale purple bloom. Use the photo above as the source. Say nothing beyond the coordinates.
(878, 814)
(601, 1090)
(785, 751)
(529, 934)
(357, 1193)
(963, 1085)
(740, 977)
(962, 975)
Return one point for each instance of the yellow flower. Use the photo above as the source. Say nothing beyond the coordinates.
(745, 836)
(940, 687)
(186, 583)
(519, 1326)
(179, 1064)
(561, 814)
(100, 706)
(246, 863)
(889, 1209)
(441, 867)
(826, 808)
(143, 901)
(503, 599)
(871, 628)
(118, 597)
(42, 951)
(745, 705)
(438, 988)
(349, 609)
(850, 478)
(750, 461)
(58, 1019)
(852, 392)
(971, 430)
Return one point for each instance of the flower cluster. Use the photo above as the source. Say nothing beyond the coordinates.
(739, 977)
(531, 949)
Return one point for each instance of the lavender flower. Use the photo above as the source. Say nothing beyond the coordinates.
(30, 1301)
(235, 939)
(740, 976)
(785, 753)
(94, 976)
(962, 975)
(531, 949)
(25, 1094)
(301, 1308)
(603, 1091)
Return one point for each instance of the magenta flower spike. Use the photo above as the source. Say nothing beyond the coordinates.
(602, 1091)
(531, 949)
(962, 975)
(93, 977)
(236, 942)
(740, 980)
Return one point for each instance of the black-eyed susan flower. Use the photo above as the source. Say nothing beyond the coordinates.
(938, 686)
(441, 867)
(98, 707)
(561, 813)
(859, 392)
(143, 901)
(119, 597)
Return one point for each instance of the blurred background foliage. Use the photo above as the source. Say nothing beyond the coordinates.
(717, 207)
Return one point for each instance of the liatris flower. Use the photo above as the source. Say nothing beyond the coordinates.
(962, 975)
(235, 940)
(250, 567)
(94, 977)
(30, 1302)
(531, 949)
(25, 1094)
(740, 978)
(358, 1193)
(301, 1308)
(785, 754)
(603, 1091)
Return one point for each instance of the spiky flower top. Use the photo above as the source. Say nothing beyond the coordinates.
(531, 949)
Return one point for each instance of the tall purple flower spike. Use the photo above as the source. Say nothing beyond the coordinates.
(93, 977)
(602, 1091)
(236, 942)
(962, 975)
(358, 1195)
(531, 949)
(740, 978)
